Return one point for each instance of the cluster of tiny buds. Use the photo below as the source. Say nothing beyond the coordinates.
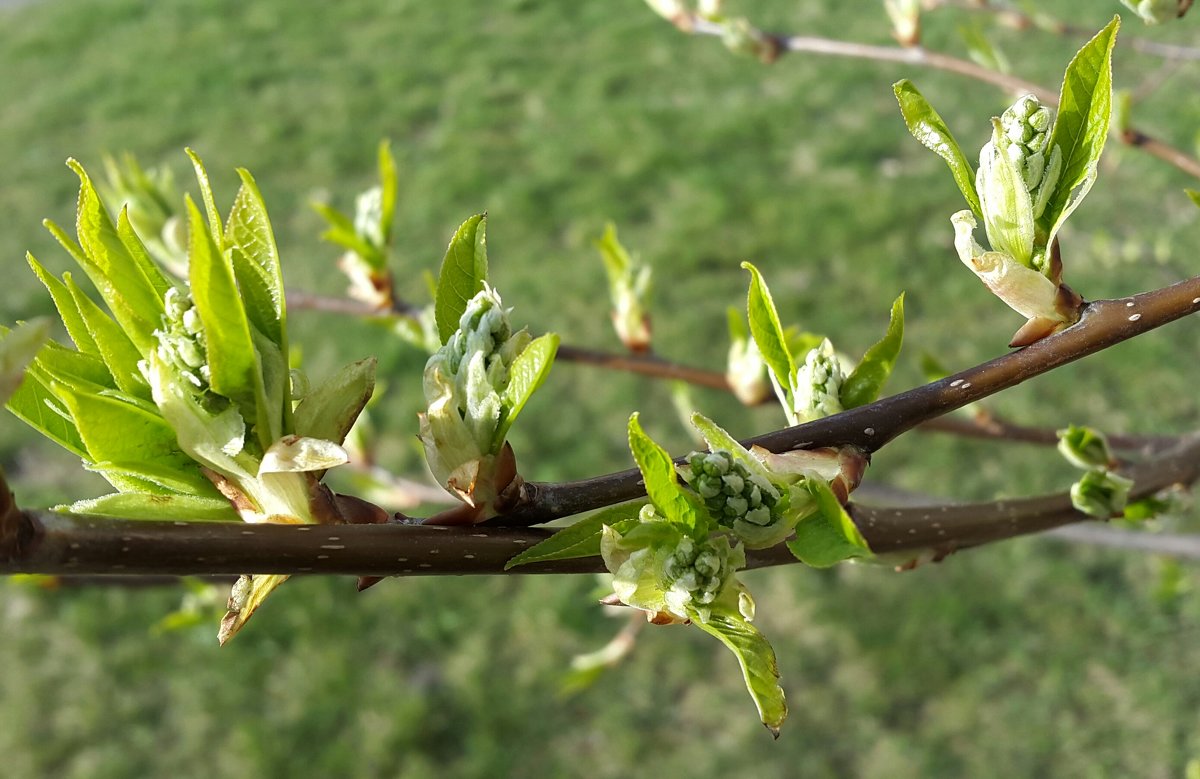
(483, 327)
(730, 491)
(696, 569)
(819, 384)
(1026, 124)
(181, 339)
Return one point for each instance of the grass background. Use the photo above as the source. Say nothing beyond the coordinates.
(1026, 659)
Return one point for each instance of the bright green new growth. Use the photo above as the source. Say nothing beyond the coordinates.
(478, 382)
(1101, 492)
(367, 236)
(628, 289)
(152, 203)
(180, 378)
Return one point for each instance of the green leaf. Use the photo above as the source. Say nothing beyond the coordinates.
(927, 127)
(867, 380)
(341, 230)
(464, 271)
(58, 363)
(828, 536)
(206, 194)
(18, 348)
(526, 374)
(768, 333)
(37, 406)
(581, 539)
(1194, 194)
(616, 258)
(119, 353)
(115, 430)
(68, 312)
(1084, 110)
(757, 659)
(329, 411)
(255, 261)
(387, 185)
(675, 502)
(141, 257)
(232, 358)
(120, 279)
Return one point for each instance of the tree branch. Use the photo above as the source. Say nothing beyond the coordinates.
(870, 427)
(63, 544)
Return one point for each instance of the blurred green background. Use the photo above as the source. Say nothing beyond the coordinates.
(1030, 658)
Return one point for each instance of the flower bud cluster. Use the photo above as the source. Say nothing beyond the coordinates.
(695, 573)
(1023, 138)
(181, 339)
(730, 491)
(818, 384)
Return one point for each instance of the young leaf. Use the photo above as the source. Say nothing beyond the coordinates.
(829, 536)
(1194, 194)
(464, 272)
(206, 195)
(341, 230)
(35, 405)
(114, 430)
(662, 484)
(68, 312)
(387, 186)
(329, 411)
(757, 659)
(581, 539)
(121, 281)
(134, 505)
(18, 348)
(927, 127)
(113, 345)
(866, 381)
(232, 358)
(768, 333)
(256, 261)
(526, 374)
(1081, 128)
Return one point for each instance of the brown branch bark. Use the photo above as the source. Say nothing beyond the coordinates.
(62, 544)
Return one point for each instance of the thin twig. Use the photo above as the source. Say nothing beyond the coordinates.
(916, 55)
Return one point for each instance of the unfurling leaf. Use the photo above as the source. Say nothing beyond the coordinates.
(867, 380)
(829, 535)
(1084, 110)
(676, 503)
(18, 347)
(927, 127)
(464, 272)
(759, 666)
(581, 539)
(769, 335)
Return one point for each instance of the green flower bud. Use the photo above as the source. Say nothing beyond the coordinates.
(1017, 174)
(181, 339)
(464, 383)
(730, 491)
(1101, 494)
(818, 384)
(695, 574)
